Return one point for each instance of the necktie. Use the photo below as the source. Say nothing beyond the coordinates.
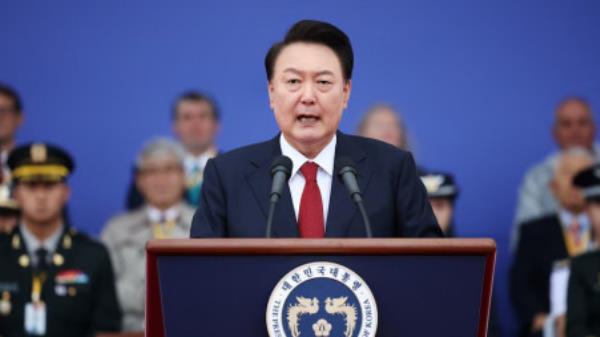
(42, 264)
(310, 217)
(575, 231)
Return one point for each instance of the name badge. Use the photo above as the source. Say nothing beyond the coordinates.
(35, 318)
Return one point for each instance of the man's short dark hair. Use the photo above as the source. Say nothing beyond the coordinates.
(12, 94)
(315, 32)
(197, 97)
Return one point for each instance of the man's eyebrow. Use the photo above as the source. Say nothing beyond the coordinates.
(296, 71)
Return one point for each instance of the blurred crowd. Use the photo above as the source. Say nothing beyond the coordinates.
(100, 285)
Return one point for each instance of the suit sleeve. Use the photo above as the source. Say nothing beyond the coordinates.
(107, 314)
(412, 204)
(577, 305)
(210, 219)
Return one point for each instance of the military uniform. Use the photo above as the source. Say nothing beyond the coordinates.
(59, 287)
(78, 290)
(583, 299)
(126, 236)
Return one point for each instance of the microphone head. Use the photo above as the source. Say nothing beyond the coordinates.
(282, 164)
(344, 165)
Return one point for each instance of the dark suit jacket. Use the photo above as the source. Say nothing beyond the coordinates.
(74, 309)
(541, 243)
(235, 194)
(583, 307)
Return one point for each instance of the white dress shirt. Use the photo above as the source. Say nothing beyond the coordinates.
(192, 162)
(324, 159)
(157, 216)
(33, 244)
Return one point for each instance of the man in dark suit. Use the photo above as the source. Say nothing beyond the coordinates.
(583, 308)
(309, 82)
(547, 240)
(54, 281)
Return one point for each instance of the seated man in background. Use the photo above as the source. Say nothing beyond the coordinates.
(160, 178)
(9, 210)
(195, 119)
(11, 118)
(574, 126)
(383, 123)
(54, 281)
(564, 234)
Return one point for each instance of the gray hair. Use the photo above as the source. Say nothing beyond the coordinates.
(160, 147)
(404, 141)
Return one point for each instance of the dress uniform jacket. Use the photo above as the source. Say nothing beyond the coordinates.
(79, 290)
(583, 307)
(126, 236)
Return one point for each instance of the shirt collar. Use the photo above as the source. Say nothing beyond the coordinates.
(155, 215)
(191, 161)
(324, 159)
(33, 244)
(566, 218)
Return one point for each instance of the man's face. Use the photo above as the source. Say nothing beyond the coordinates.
(383, 125)
(443, 211)
(574, 126)
(568, 196)
(161, 181)
(195, 125)
(10, 119)
(308, 94)
(41, 202)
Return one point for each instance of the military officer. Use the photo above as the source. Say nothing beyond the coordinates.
(442, 192)
(583, 300)
(54, 281)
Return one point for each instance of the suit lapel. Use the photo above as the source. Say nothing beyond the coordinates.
(342, 209)
(259, 179)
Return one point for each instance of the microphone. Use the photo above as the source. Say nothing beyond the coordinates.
(281, 170)
(348, 173)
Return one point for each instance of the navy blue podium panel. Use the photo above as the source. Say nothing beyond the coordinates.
(419, 287)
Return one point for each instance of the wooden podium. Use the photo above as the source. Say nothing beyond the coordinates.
(221, 287)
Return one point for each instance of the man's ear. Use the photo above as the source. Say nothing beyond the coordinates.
(347, 90)
(270, 89)
(67, 190)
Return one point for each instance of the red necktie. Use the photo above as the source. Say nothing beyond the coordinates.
(310, 217)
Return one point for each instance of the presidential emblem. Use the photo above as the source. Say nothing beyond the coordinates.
(321, 299)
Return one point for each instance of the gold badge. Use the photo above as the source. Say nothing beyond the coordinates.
(58, 260)
(16, 242)
(67, 242)
(72, 291)
(39, 153)
(24, 261)
(5, 305)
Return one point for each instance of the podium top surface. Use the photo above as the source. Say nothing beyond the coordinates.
(323, 246)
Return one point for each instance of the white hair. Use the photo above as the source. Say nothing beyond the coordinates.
(160, 147)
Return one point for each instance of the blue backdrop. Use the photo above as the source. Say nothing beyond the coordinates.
(476, 80)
